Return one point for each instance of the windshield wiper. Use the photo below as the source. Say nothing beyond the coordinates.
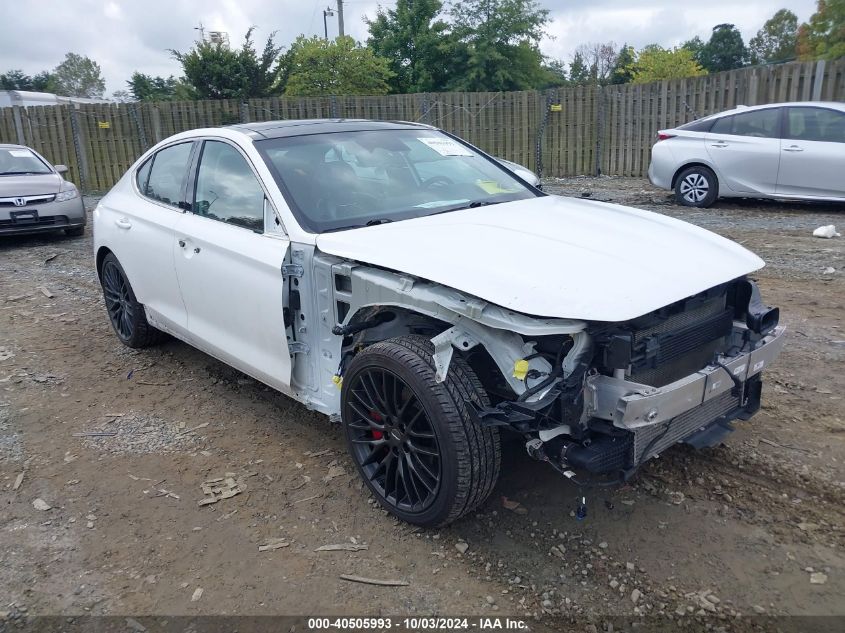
(22, 173)
(472, 205)
(373, 222)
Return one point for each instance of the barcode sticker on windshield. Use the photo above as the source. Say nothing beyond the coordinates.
(446, 146)
(20, 153)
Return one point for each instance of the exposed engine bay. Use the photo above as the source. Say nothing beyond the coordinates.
(679, 374)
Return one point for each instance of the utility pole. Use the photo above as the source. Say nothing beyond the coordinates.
(326, 12)
(340, 17)
(201, 29)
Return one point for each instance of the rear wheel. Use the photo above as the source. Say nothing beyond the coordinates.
(413, 440)
(125, 313)
(696, 186)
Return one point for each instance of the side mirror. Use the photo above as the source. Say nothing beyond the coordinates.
(62, 169)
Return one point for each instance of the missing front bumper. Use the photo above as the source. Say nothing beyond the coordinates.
(632, 406)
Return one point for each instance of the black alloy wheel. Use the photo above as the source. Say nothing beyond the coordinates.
(118, 302)
(126, 315)
(393, 439)
(415, 441)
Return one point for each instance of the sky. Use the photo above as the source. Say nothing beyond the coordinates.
(125, 35)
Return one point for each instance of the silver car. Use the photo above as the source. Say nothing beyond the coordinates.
(783, 151)
(34, 197)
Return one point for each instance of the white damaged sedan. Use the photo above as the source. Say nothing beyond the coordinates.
(410, 286)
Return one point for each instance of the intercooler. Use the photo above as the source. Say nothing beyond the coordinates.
(682, 426)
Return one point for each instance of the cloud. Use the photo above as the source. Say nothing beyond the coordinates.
(127, 35)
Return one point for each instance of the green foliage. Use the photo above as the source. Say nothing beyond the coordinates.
(824, 36)
(724, 51)
(655, 63)
(18, 80)
(419, 46)
(622, 72)
(501, 39)
(555, 71)
(314, 66)
(695, 46)
(600, 60)
(215, 71)
(79, 76)
(776, 40)
(579, 73)
(148, 88)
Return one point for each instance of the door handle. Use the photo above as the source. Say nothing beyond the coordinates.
(123, 223)
(719, 144)
(181, 243)
(793, 148)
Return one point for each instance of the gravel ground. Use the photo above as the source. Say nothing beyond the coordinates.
(711, 540)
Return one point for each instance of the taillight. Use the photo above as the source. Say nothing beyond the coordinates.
(662, 136)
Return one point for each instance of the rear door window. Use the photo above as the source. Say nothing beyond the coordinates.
(757, 123)
(169, 169)
(815, 124)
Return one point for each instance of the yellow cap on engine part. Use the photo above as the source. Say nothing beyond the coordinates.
(520, 369)
(338, 381)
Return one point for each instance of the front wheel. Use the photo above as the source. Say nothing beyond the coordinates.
(696, 186)
(413, 440)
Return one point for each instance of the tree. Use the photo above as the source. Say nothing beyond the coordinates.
(148, 88)
(725, 50)
(502, 44)
(44, 82)
(600, 59)
(215, 71)
(79, 76)
(315, 66)
(555, 71)
(823, 37)
(622, 72)
(776, 41)
(579, 73)
(419, 46)
(121, 96)
(15, 80)
(695, 46)
(655, 63)
(19, 80)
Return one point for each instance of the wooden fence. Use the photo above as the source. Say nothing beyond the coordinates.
(567, 131)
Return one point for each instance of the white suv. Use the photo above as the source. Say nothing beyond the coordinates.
(786, 151)
(405, 283)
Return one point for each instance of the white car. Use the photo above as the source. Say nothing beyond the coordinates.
(793, 151)
(403, 282)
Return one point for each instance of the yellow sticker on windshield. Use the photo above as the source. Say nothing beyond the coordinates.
(491, 186)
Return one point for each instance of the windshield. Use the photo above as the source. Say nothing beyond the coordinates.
(352, 179)
(19, 160)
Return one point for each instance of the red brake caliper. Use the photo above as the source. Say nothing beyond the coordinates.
(374, 415)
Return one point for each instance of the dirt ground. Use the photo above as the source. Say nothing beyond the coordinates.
(752, 527)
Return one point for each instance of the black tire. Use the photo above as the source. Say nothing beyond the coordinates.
(77, 231)
(126, 315)
(434, 418)
(696, 186)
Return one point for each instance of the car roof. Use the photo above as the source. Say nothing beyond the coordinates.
(12, 146)
(835, 105)
(302, 127)
(792, 104)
